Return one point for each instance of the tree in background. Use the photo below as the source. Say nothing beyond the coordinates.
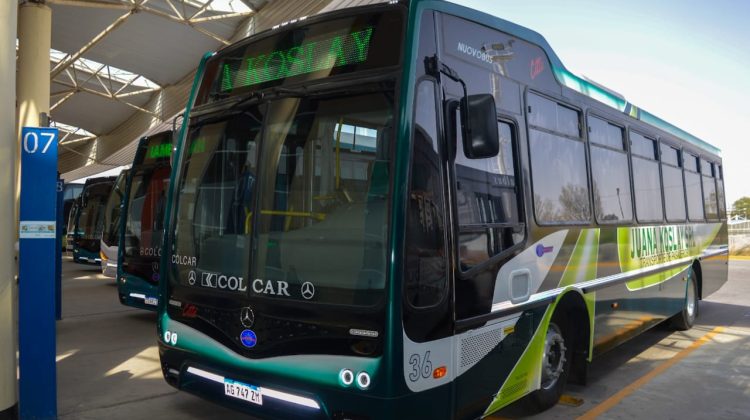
(741, 207)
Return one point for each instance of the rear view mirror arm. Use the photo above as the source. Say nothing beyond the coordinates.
(435, 67)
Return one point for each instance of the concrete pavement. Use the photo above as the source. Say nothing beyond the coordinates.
(108, 365)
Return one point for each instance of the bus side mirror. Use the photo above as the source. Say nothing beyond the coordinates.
(479, 126)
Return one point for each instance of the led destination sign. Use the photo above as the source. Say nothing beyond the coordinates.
(308, 57)
(315, 50)
(163, 151)
(156, 151)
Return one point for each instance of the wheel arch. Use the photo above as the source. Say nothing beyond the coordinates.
(578, 312)
(698, 277)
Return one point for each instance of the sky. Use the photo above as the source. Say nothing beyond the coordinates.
(686, 61)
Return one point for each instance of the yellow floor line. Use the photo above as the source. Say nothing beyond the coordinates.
(612, 401)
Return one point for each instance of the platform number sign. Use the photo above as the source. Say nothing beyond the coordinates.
(36, 278)
(32, 141)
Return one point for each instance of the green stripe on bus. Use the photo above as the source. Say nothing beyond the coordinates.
(526, 375)
(582, 267)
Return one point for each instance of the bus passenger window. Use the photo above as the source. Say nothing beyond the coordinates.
(609, 172)
(426, 269)
(487, 202)
(674, 188)
(693, 189)
(646, 183)
(709, 190)
(558, 163)
(720, 192)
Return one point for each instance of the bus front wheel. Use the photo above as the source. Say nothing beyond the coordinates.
(685, 319)
(556, 362)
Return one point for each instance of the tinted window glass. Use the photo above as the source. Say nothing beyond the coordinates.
(111, 232)
(426, 269)
(674, 193)
(91, 216)
(647, 190)
(604, 133)
(567, 121)
(72, 191)
(558, 167)
(706, 168)
(145, 221)
(694, 197)
(709, 198)
(611, 178)
(486, 199)
(642, 146)
(691, 163)
(670, 155)
(720, 197)
(322, 209)
(549, 114)
(542, 112)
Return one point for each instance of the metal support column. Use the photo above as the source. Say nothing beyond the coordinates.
(8, 152)
(34, 39)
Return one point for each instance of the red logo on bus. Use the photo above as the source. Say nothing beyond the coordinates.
(537, 66)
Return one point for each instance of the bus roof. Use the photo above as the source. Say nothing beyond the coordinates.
(579, 84)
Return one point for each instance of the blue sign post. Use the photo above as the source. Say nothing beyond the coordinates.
(36, 277)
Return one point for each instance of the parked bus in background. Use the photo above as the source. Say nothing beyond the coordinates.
(143, 222)
(90, 220)
(70, 231)
(111, 232)
(413, 210)
(71, 192)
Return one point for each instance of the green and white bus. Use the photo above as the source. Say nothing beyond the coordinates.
(140, 235)
(112, 224)
(86, 232)
(413, 210)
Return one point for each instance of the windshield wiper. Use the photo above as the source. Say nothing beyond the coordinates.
(267, 94)
(258, 96)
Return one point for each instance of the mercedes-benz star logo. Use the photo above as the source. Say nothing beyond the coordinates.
(247, 317)
(191, 277)
(308, 290)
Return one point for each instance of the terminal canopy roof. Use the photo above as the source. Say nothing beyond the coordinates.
(120, 69)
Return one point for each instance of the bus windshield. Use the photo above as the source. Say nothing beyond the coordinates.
(112, 211)
(91, 218)
(145, 221)
(287, 201)
(75, 211)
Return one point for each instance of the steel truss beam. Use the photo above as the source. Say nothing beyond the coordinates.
(69, 68)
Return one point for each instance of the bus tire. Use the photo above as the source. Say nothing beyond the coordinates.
(685, 319)
(556, 363)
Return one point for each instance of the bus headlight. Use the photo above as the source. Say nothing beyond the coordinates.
(363, 380)
(346, 377)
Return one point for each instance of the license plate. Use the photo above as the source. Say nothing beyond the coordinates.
(242, 391)
(151, 301)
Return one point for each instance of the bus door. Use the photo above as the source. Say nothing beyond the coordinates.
(489, 231)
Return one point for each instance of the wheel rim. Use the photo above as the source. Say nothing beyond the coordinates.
(691, 301)
(553, 362)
